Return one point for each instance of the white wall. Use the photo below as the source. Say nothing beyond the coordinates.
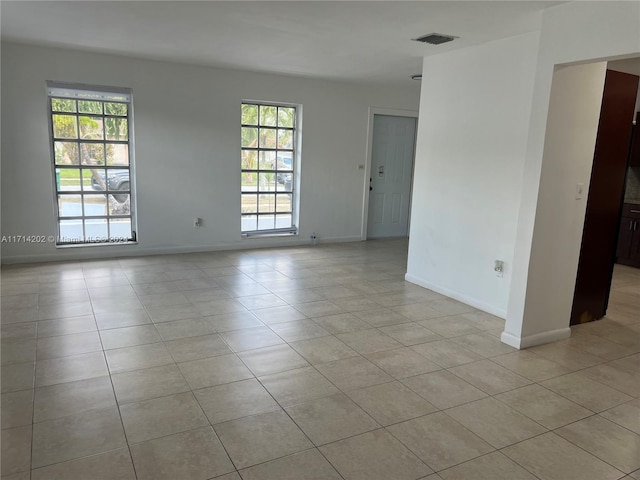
(187, 149)
(539, 309)
(472, 137)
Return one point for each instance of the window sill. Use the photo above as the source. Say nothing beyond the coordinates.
(102, 244)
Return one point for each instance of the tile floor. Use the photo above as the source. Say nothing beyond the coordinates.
(301, 363)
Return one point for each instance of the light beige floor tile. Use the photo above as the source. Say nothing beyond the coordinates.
(495, 422)
(484, 321)
(610, 442)
(251, 338)
(119, 319)
(451, 326)
(16, 409)
(381, 317)
(299, 330)
(374, 455)
(69, 369)
(353, 373)
(194, 348)
(569, 357)
(16, 450)
(417, 312)
(355, 304)
(208, 372)
(67, 345)
(18, 315)
(18, 352)
(489, 377)
(439, 441)
(390, 403)
(550, 457)
(402, 362)
(328, 419)
(66, 326)
(410, 333)
(368, 341)
(17, 476)
(233, 321)
(323, 350)
(544, 406)
(220, 306)
(161, 416)
(493, 466)
(18, 332)
(484, 344)
(260, 438)
(163, 299)
(298, 386)
(76, 436)
(266, 300)
(138, 357)
(586, 392)
(235, 400)
(317, 308)
(617, 378)
(173, 312)
(113, 465)
(129, 336)
(17, 377)
(531, 366)
(281, 314)
(443, 389)
(190, 327)
(310, 465)
(63, 399)
(148, 383)
(279, 358)
(341, 323)
(196, 454)
(446, 353)
(64, 310)
(626, 415)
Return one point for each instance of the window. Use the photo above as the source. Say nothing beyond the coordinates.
(269, 164)
(91, 151)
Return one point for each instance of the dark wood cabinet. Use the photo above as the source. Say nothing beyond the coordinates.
(634, 151)
(628, 251)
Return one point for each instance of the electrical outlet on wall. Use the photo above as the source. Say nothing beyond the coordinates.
(498, 268)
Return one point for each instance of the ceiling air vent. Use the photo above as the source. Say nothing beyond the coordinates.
(435, 38)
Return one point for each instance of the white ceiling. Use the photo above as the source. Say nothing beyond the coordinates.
(344, 40)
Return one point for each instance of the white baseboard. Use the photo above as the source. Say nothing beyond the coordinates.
(111, 251)
(536, 339)
(473, 302)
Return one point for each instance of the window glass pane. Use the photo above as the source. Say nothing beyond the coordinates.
(267, 138)
(116, 128)
(95, 229)
(249, 182)
(68, 179)
(284, 221)
(119, 204)
(283, 202)
(249, 203)
(266, 222)
(267, 181)
(70, 205)
(93, 179)
(86, 106)
(286, 116)
(92, 153)
(249, 114)
(71, 231)
(118, 181)
(120, 228)
(249, 137)
(64, 126)
(267, 203)
(285, 161)
(62, 105)
(285, 139)
(91, 128)
(268, 115)
(95, 205)
(267, 160)
(66, 153)
(285, 182)
(117, 154)
(115, 109)
(249, 223)
(249, 160)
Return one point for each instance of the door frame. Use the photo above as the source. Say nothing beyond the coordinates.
(391, 112)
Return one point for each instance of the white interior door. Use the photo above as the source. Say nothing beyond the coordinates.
(392, 156)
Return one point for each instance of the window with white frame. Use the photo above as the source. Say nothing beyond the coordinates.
(90, 129)
(269, 168)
